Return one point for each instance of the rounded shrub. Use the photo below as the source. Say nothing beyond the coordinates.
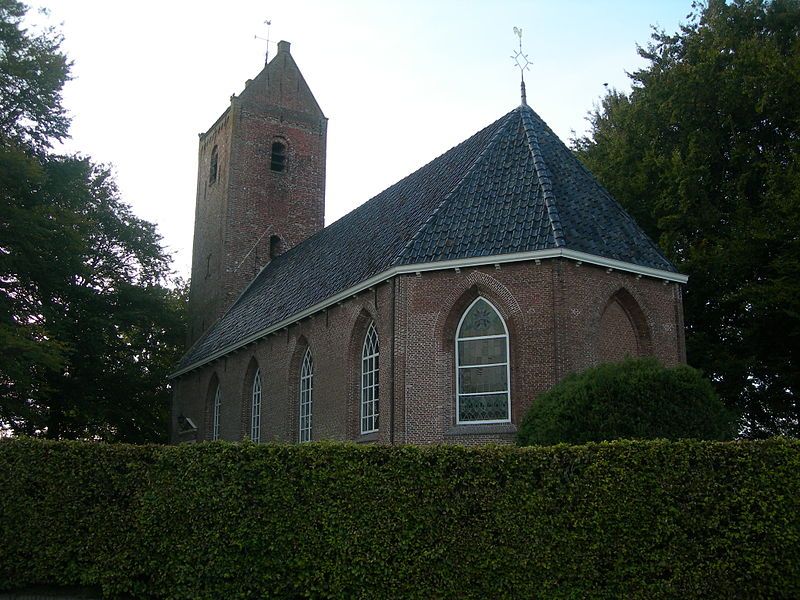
(637, 398)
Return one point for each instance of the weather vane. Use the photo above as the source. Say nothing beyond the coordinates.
(523, 63)
(268, 22)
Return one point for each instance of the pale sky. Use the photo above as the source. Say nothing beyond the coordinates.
(400, 82)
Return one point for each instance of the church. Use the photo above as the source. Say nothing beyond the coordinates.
(436, 312)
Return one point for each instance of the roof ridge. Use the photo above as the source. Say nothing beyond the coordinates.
(544, 177)
(478, 160)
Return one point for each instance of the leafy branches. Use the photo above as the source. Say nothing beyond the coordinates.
(32, 73)
(89, 326)
(705, 153)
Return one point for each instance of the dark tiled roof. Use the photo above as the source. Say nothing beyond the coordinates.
(512, 187)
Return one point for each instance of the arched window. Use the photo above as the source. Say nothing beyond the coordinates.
(369, 381)
(482, 369)
(306, 396)
(215, 413)
(255, 409)
(278, 158)
(212, 170)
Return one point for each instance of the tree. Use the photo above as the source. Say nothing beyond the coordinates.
(705, 154)
(89, 328)
(32, 73)
(634, 399)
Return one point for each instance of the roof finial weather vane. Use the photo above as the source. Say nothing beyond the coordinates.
(267, 22)
(522, 61)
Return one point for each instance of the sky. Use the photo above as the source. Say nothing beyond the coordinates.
(400, 82)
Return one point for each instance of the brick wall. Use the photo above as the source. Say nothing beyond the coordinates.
(204, 295)
(561, 318)
(618, 337)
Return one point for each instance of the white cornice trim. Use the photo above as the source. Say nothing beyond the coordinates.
(461, 263)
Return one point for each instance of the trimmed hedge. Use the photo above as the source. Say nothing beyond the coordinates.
(634, 399)
(646, 519)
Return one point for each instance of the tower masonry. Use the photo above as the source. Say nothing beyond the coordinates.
(260, 186)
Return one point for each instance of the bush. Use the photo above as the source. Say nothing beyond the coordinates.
(645, 519)
(634, 399)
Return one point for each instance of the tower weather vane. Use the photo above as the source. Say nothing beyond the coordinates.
(522, 61)
(267, 22)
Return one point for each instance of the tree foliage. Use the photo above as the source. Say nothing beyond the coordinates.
(88, 327)
(32, 73)
(705, 154)
(634, 399)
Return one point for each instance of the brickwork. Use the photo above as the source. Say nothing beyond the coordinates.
(211, 206)
(561, 317)
(652, 306)
(618, 337)
(334, 338)
(248, 204)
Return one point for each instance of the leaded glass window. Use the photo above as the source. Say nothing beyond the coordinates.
(255, 409)
(370, 384)
(306, 396)
(215, 413)
(482, 371)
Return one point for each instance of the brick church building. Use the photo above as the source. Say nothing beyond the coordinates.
(435, 312)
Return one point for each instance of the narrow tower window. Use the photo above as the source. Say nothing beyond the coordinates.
(278, 160)
(306, 396)
(275, 246)
(212, 170)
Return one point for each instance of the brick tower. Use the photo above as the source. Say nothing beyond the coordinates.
(260, 186)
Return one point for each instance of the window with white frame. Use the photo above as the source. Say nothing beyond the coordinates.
(215, 413)
(306, 396)
(370, 384)
(482, 367)
(255, 409)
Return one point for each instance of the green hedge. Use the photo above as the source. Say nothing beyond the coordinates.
(633, 399)
(647, 519)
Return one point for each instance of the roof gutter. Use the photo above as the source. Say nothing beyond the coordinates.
(461, 263)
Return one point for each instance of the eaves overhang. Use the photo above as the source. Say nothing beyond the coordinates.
(477, 261)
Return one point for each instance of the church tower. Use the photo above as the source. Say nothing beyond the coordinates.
(260, 186)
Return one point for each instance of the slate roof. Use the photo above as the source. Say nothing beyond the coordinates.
(512, 187)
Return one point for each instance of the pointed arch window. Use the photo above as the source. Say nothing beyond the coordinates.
(214, 166)
(215, 413)
(370, 384)
(482, 368)
(306, 396)
(255, 408)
